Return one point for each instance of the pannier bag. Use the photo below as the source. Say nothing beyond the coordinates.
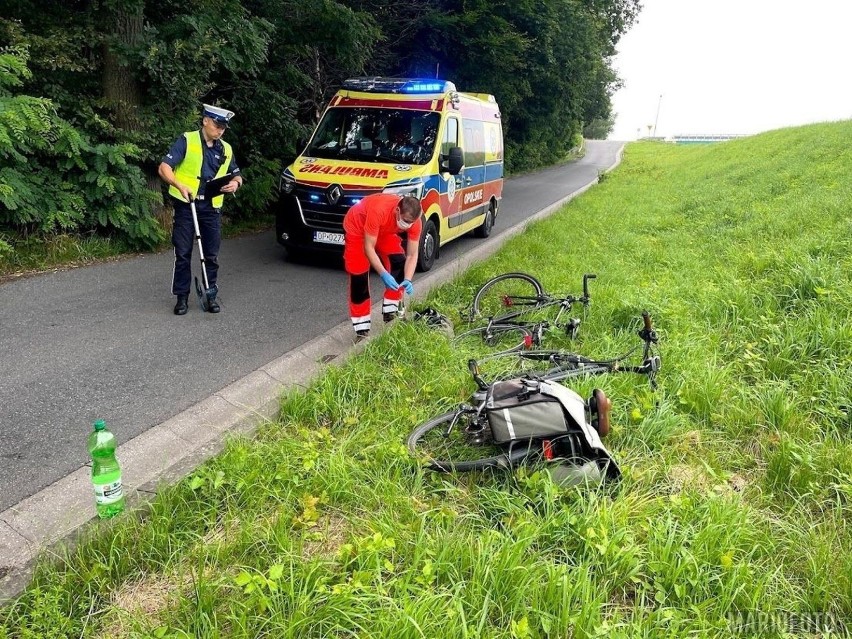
(518, 411)
(523, 409)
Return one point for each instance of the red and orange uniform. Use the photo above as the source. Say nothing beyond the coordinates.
(375, 215)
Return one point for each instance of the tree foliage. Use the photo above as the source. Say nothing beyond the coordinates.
(94, 91)
(54, 177)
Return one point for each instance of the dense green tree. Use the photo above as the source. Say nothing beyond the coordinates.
(315, 45)
(134, 71)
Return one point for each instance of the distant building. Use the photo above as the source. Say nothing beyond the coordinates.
(702, 138)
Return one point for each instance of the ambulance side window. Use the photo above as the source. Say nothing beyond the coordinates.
(451, 136)
(474, 143)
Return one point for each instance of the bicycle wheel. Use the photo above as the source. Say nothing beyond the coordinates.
(506, 338)
(506, 294)
(460, 441)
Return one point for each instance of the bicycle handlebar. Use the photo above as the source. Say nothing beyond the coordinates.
(648, 334)
(473, 367)
(586, 278)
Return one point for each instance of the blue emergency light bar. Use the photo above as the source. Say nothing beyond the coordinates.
(398, 85)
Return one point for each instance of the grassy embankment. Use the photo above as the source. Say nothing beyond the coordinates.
(737, 494)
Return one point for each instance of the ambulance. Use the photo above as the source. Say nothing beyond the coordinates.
(396, 135)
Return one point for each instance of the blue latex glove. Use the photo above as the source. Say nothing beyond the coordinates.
(408, 286)
(390, 283)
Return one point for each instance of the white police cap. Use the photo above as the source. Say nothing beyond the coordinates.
(217, 114)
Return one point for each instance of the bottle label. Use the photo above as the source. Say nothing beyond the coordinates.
(108, 493)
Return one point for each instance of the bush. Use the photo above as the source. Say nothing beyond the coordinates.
(52, 178)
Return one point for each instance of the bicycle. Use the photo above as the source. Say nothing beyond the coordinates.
(473, 437)
(523, 294)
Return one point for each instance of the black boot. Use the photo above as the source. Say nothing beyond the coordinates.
(212, 304)
(180, 307)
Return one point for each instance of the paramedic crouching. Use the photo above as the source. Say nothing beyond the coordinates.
(373, 228)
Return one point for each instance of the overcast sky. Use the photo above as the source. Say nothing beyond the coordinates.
(733, 66)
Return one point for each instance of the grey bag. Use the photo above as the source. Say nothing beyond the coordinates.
(517, 410)
(524, 409)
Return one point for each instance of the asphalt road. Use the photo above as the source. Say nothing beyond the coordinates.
(101, 342)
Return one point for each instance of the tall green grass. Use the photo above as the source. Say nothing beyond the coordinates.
(737, 488)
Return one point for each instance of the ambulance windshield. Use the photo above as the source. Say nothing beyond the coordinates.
(398, 136)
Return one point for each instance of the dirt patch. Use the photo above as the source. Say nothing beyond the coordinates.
(737, 483)
(142, 600)
(324, 539)
(683, 477)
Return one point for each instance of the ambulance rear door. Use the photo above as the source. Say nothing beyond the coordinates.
(473, 201)
(453, 184)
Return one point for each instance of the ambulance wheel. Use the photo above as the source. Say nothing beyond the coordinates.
(484, 230)
(428, 246)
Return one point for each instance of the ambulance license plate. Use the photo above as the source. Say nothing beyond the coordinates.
(325, 237)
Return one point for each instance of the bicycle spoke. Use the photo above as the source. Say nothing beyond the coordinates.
(497, 337)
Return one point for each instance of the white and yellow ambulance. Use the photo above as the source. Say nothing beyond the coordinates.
(396, 135)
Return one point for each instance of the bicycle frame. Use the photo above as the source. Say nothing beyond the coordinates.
(566, 364)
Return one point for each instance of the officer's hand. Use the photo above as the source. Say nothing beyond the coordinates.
(390, 283)
(184, 191)
(408, 286)
(231, 186)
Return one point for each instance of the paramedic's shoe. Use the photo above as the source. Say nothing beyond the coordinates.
(181, 306)
(360, 336)
(389, 317)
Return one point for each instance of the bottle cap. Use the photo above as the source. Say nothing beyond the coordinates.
(99, 425)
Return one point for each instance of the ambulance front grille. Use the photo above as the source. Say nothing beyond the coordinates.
(329, 217)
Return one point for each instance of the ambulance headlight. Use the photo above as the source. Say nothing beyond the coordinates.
(415, 189)
(287, 184)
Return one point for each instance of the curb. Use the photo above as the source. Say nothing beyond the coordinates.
(49, 522)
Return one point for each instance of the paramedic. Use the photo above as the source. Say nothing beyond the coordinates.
(373, 227)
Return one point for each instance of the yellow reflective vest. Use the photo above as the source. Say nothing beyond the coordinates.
(188, 172)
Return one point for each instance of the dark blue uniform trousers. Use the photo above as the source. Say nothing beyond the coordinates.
(183, 239)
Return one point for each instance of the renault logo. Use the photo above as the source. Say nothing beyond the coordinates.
(333, 194)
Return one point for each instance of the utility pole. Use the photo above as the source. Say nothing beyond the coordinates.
(656, 119)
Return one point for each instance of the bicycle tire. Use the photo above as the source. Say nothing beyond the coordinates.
(512, 337)
(491, 297)
(499, 459)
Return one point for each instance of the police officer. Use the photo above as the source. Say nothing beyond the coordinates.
(194, 158)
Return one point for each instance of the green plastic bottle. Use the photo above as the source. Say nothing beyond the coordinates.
(106, 473)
